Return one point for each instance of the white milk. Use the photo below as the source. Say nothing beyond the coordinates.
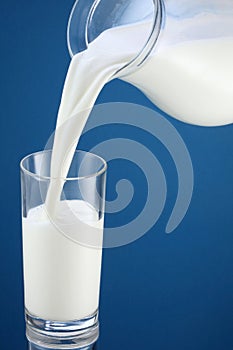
(192, 81)
(61, 277)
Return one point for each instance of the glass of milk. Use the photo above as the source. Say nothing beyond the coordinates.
(62, 250)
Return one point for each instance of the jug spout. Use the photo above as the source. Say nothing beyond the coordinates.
(90, 18)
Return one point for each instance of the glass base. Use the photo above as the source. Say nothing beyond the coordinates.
(62, 335)
(32, 346)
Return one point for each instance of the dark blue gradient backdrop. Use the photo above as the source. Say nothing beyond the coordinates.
(161, 292)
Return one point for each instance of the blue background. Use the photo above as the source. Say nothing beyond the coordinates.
(161, 292)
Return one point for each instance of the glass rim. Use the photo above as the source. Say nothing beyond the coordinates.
(77, 178)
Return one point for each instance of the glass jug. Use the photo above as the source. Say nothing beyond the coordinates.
(185, 65)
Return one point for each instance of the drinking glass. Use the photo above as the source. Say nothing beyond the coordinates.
(62, 250)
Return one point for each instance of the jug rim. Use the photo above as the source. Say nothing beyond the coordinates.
(143, 54)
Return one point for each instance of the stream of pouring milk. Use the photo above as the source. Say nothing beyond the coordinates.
(192, 81)
(89, 71)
